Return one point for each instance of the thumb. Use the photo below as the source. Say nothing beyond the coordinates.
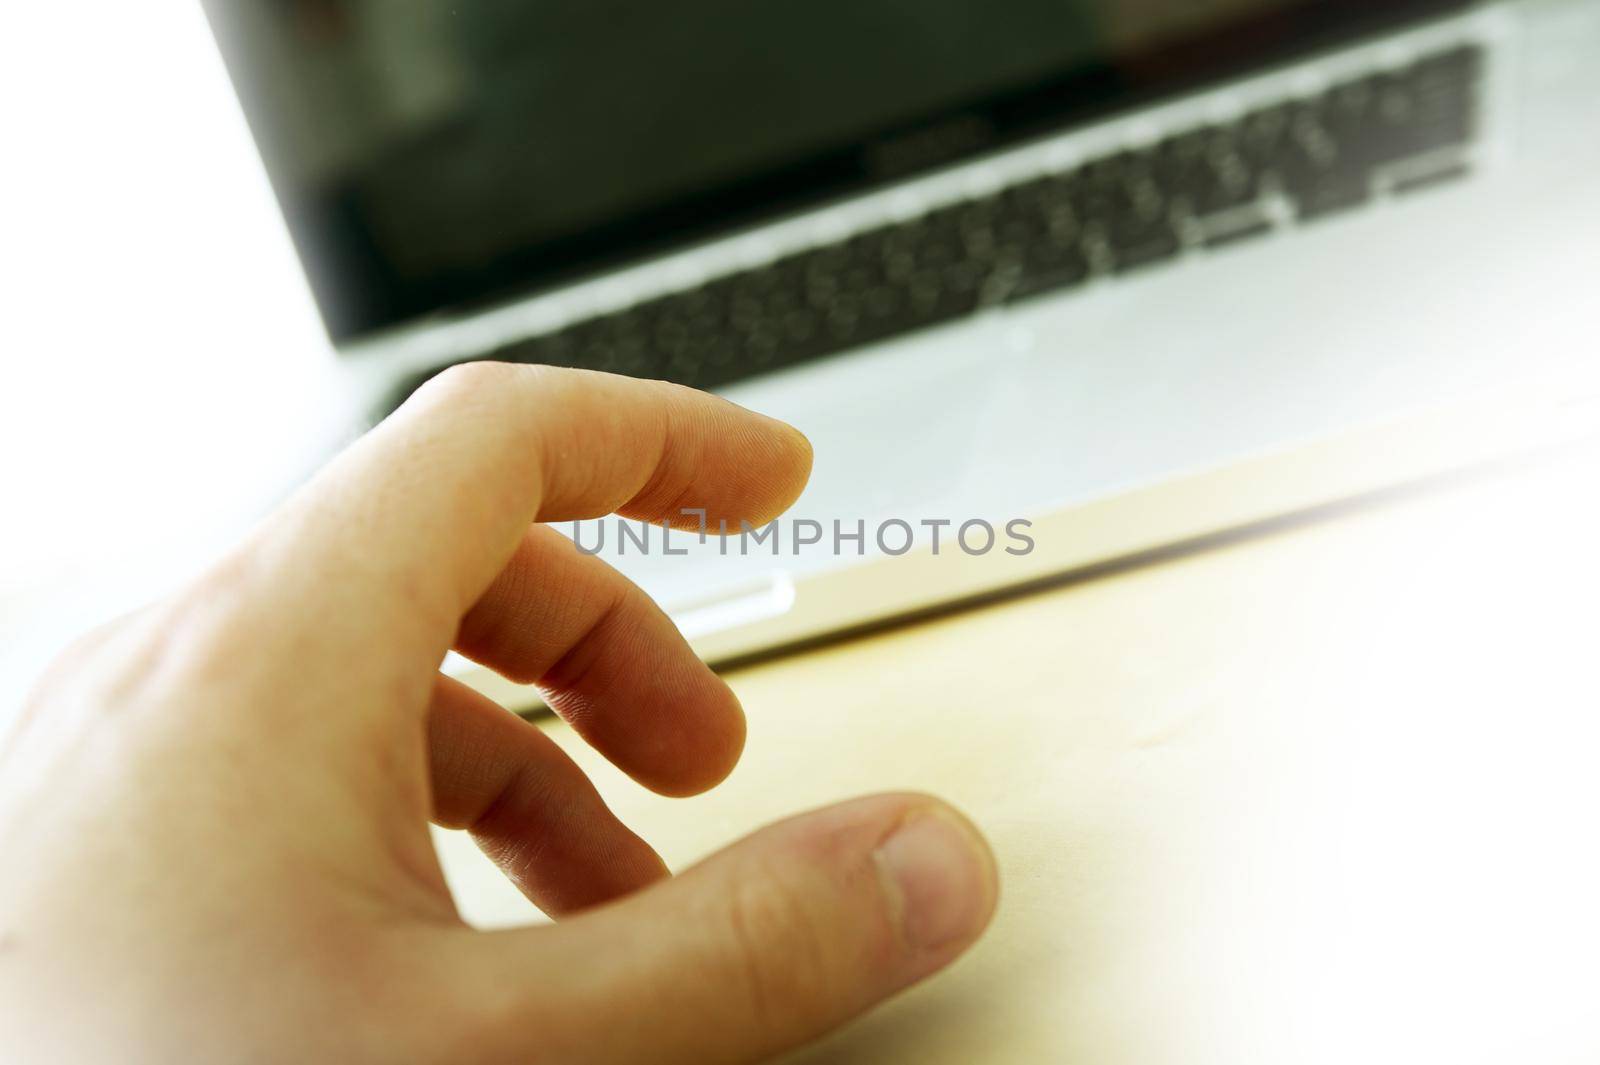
(761, 948)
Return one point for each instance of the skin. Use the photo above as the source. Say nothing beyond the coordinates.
(215, 812)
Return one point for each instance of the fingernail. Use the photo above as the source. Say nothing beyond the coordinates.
(943, 877)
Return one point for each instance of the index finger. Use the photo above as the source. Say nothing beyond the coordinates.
(414, 521)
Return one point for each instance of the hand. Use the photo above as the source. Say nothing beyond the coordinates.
(213, 814)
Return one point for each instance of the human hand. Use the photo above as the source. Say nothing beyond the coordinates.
(214, 813)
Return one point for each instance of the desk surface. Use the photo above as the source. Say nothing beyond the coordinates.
(1327, 795)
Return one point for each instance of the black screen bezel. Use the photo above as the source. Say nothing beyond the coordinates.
(359, 295)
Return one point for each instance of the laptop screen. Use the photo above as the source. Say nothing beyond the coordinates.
(431, 157)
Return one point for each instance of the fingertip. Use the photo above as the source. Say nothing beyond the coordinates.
(635, 866)
(804, 463)
(942, 877)
(805, 453)
(793, 465)
(936, 873)
(706, 756)
(572, 881)
(778, 459)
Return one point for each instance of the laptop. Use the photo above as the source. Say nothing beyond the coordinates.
(1064, 284)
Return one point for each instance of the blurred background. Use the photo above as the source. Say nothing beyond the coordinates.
(153, 299)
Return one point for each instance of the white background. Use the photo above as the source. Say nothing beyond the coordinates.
(165, 374)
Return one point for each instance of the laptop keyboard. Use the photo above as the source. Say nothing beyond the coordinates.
(1129, 211)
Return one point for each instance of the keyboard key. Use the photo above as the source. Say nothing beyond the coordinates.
(1330, 193)
(1044, 234)
(1046, 272)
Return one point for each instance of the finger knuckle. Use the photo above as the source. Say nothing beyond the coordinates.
(469, 381)
(495, 388)
(777, 955)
